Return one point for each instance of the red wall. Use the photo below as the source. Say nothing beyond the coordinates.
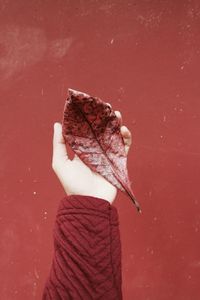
(144, 58)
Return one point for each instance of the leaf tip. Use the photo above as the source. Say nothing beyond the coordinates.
(75, 93)
(71, 91)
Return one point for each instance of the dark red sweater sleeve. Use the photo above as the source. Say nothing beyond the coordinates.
(87, 251)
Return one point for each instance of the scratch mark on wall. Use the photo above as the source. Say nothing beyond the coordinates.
(22, 47)
(59, 48)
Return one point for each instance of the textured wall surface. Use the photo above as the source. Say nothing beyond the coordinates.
(144, 58)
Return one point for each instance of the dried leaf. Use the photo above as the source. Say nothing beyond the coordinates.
(92, 130)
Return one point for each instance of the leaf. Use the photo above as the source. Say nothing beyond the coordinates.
(92, 130)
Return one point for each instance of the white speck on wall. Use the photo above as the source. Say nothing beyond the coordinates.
(150, 250)
(34, 288)
(112, 41)
(36, 273)
(150, 19)
(45, 215)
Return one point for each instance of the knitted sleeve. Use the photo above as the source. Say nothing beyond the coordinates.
(86, 262)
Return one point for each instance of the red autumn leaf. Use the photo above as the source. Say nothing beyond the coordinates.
(92, 130)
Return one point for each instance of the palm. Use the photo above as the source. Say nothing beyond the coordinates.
(76, 177)
(80, 179)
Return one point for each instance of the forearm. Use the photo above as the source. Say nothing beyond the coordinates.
(87, 251)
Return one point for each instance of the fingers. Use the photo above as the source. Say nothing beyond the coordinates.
(119, 116)
(127, 137)
(59, 148)
(125, 132)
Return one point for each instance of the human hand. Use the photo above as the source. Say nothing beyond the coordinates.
(76, 177)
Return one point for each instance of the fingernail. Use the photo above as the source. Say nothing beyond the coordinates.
(56, 126)
(123, 128)
(118, 114)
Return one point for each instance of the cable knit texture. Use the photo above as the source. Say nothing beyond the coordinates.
(87, 251)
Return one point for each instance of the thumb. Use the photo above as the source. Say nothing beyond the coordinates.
(59, 147)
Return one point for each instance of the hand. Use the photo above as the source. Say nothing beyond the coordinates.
(77, 178)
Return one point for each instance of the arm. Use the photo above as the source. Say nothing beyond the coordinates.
(87, 249)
